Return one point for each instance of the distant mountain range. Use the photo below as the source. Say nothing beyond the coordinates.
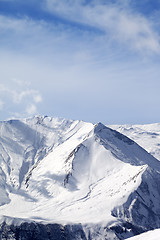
(65, 179)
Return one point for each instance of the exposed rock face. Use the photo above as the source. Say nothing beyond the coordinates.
(35, 231)
(143, 207)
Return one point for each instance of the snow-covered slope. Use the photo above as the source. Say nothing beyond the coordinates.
(72, 172)
(151, 235)
(23, 144)
(147, 136)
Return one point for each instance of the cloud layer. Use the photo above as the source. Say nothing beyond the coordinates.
(116, 20)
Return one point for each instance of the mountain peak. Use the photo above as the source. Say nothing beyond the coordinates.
(105, 132)
(80, 171)
(98, 127)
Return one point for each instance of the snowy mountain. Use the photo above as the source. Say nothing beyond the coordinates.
(147, 136)
(64, 179)
(150, 235)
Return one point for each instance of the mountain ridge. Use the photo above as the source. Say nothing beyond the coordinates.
(83, 173)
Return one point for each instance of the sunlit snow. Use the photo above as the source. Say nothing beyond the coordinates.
(62, 171)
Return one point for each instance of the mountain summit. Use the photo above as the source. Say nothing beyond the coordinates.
(75, 180)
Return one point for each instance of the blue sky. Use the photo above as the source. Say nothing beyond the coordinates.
(95, 60)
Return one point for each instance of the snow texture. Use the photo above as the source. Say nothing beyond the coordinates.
(76, 175)
(147, 136)
(150, 235)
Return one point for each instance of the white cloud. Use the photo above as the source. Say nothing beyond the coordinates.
(19, 97)
(118, 22)
(31, 110)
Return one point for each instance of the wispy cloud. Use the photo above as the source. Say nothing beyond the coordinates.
(19, 96)
(118, 21)
(31, 109)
